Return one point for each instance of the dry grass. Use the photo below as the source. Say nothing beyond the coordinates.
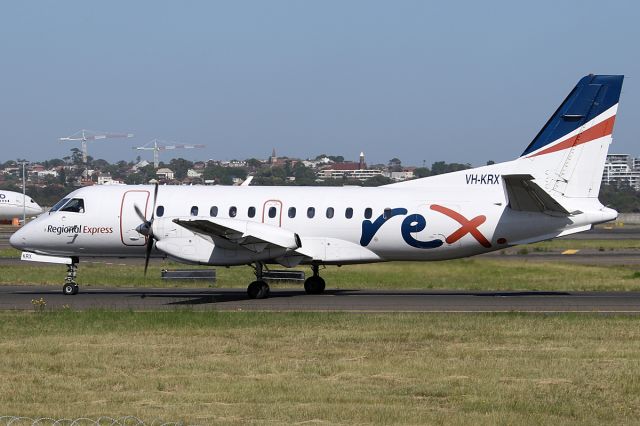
(330, 368)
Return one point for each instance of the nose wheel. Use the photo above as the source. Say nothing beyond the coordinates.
(70, 287)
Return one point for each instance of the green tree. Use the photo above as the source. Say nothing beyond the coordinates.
(395, 165)
(180, 166)
(440, 167)
(76, 156)
(254, 164)
(377, 181)
(421, 172)
(623, 199)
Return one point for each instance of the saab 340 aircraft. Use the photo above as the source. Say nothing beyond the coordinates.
(550, 191)
(11, 206)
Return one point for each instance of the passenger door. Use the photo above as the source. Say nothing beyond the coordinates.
(272, 213)
(129, 220)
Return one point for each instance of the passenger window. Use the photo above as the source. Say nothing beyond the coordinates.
(233, 210)
(213, 211)
(251, 212)
(292, 212)
(194, 211)
(329, 212)
(386, 213)
(311, 212)
(348, 213)
(368, 213)
(272, 212)
(76, 205)
(160, 211)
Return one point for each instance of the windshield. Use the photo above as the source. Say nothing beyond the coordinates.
(59, 204)
(76, 205)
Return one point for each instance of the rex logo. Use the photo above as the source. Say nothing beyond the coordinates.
(415, 223)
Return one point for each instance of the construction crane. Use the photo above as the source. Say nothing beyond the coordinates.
(85, 136)
(156, 148)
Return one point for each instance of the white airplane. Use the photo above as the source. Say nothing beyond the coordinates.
(551, 190)
(11, 205)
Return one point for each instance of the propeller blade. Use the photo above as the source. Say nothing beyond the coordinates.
(148, 254)
(155, 199)
(139, 213)
(147, 227)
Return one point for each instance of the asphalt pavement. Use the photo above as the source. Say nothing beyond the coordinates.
(27, 297)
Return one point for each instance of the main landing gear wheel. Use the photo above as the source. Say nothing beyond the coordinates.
(314, 284)
(258, 290)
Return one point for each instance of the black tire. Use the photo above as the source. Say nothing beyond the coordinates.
(69, 289)
(76, 289)
(258, 290)
(314, 285)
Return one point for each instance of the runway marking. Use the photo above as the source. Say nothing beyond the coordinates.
(570, 251)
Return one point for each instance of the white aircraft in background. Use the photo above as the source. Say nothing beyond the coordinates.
(550, 191)
(11, 205)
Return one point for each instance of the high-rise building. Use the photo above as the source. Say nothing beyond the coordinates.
(622, 170)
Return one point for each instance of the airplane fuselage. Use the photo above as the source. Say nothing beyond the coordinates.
(335, 225)
(13, 204)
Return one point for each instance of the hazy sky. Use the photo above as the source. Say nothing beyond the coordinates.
(419, 80)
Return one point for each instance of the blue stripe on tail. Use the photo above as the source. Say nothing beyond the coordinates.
(593, 95)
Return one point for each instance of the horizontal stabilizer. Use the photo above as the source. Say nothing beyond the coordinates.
(525, 195)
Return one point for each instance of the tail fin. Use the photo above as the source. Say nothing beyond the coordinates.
(567, 156)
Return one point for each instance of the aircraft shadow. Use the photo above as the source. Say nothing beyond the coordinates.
(193, 297)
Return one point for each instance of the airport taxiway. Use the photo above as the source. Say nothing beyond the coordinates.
(148, 299)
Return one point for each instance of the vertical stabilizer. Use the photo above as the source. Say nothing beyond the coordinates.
(567, 156)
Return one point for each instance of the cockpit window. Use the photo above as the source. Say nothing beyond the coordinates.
(59, 204)
(76, 205)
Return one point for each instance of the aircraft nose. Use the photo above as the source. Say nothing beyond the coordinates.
(18, 240)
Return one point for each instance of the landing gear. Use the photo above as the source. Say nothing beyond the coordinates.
(70, 287)
(258, 289)
(314, 284)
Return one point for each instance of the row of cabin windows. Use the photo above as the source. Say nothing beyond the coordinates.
(251, 212)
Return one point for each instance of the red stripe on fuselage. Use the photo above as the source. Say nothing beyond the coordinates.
(601, 129)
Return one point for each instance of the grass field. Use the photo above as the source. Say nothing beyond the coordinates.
(473, 274)
(322, 368)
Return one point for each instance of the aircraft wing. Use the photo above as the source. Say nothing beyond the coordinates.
(253, 236)
(526, 195)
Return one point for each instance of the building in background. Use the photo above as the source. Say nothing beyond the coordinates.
(622, 170)
(348, 170)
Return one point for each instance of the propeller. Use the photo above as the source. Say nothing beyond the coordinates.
(146, 227)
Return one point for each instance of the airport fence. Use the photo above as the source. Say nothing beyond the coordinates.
(82, 421)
